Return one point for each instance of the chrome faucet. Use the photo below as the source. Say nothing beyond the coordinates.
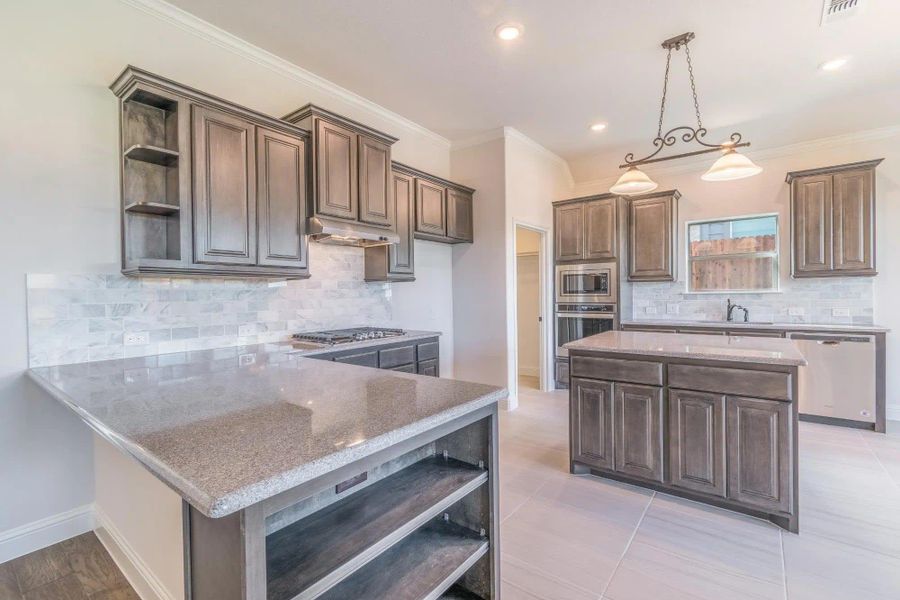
(729, 316)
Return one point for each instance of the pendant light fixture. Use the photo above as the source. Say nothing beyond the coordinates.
(731, 165)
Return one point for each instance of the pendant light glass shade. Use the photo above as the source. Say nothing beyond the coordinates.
(731, 165)
(633, 181)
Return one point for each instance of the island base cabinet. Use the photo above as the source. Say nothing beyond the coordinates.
(592, 422)
(759, 453)
(697, 441)
(639, 431)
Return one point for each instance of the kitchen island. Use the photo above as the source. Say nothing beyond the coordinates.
(303, 478)
(706, 417)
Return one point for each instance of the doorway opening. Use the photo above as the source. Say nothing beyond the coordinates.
(530, 285)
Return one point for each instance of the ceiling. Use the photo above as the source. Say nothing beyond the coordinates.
(438, 63)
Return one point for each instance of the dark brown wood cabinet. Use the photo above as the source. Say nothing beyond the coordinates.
(652, 236)
(697, 441)
(208, 187)
(431, 208)
(396, 262)
(639, 431)
(592, 422)
(375, 197)
(337, 193)
(459, 215)
(759, 453)
(586, 229)
(418, 356)
(833, 220)
(281, 199)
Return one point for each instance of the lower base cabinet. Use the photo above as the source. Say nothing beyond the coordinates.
(419, 356)
(562, 373)
(639, 430)
(592, 423)
(697, 441)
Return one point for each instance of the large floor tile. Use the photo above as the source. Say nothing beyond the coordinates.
(822, 569)
(602, 498)
(546, 586)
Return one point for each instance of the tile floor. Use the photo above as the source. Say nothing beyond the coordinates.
(578, 538)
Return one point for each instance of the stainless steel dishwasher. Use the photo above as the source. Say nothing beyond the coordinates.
(839, 381)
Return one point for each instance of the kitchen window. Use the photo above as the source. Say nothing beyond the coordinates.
(733, 255)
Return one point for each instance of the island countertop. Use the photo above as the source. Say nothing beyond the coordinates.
(774, 351)
(230, 427)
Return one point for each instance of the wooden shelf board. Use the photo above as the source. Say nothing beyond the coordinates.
(459, 593)
(422, 567)
(152, 208)
(310, 556)
(152, 154)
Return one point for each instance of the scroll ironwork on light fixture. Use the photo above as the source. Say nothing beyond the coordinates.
(634, 181)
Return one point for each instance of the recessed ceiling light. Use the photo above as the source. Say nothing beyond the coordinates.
(508, 31)
(833, 65)
(598, 126)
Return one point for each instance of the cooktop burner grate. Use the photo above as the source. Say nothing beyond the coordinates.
(346, 336)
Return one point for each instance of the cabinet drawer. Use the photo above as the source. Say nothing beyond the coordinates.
(393, 357)
(740, 382)
(428, 367)
(612, 369)
(428, 350)
(363, 359)
(405, 368)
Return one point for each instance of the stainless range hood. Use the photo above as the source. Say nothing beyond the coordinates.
(342, 233)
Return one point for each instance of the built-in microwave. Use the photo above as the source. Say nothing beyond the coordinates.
(593, 283)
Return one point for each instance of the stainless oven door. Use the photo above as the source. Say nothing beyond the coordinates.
(571, 326)
(593, 283)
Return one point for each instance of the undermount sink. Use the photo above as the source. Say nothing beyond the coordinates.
(734, 322)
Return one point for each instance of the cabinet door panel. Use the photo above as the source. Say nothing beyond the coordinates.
(591, 413)
(401, 255)
(697, 441)
(812, 224)
(600, 238)
(758, 434)
(224, 188)
(854, 215)
(281, 189)
(459, 215)
(428, 367)
(639, 430)
(336, 171)
(431, 215)
(569, 230)
(375, 198)
(651, 239)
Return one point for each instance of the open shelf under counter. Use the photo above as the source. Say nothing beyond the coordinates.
(459, 593)
(152, 208)
(318, 552)
(422, 567)
(152, 154)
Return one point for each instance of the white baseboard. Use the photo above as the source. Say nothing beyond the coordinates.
(45, 532)
(892, 412)
(141, 578)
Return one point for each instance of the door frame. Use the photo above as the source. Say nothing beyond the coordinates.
(545, 354)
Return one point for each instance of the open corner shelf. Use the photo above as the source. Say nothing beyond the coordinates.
(152, 208)
(333, 547)
(152, 154)
(460, 593)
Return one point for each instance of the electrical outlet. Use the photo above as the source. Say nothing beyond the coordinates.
(246, 329)
(840, 312)
(650, 310)
(671, 308)
(136, 338)
(246, 359)
(796, 311)
(280, 283)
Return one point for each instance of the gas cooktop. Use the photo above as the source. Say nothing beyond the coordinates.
(346, 336)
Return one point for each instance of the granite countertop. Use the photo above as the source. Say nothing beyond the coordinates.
(841, 327)
(230, 427)
(771, 351)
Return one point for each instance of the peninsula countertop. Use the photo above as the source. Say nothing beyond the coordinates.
(740, 325)
(230, 427)
(774, 351)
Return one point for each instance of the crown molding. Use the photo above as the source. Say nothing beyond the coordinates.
(476, 140)
(215, 35)
(694, 165)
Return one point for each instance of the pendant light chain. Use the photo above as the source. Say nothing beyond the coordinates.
(687, 51)
(662, 104)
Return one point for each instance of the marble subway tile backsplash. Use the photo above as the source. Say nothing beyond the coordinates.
(87, 317)
(844, 300)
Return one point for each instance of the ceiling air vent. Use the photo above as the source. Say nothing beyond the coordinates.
(832, 10)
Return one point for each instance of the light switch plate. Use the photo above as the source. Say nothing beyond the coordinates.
(671, 308)
(247, 359)
(840, 312)
(796, 311)
(136, 338)
(650, 310)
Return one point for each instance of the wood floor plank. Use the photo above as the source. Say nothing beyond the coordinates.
(122, 593)
(96, 570)
(40, 567)
(64, 588)
(9, 587)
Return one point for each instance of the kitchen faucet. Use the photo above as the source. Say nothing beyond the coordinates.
(729, 316)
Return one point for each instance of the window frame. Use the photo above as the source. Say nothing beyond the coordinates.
(776, 254)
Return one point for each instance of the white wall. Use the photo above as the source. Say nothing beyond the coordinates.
(59, 190)
(768, 192)
(528, 301)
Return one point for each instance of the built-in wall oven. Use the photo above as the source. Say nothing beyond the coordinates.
(576, 321)
(593, 283)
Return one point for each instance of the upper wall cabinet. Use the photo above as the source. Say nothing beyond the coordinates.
(833, 220)
(586, 229)
(444, 210)
(351, 170)
(652, 236)
(208, 187)
(396, 261)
